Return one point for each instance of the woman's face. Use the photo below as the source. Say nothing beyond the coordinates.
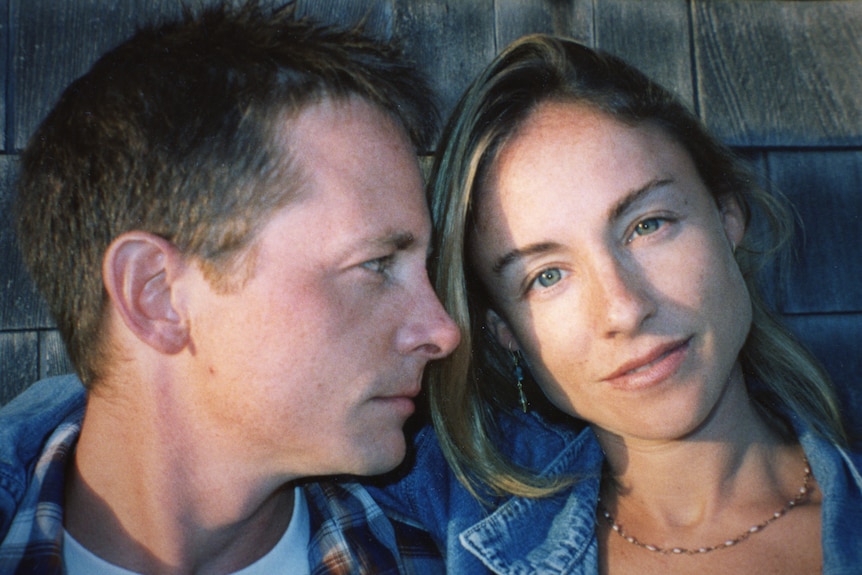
(611, 268)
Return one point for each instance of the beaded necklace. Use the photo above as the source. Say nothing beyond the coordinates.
(801, 496)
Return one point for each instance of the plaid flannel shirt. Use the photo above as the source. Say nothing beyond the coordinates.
(349, 532)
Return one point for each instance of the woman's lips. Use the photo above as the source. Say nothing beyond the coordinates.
(651, 368)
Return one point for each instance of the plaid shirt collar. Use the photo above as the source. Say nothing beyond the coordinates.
(34, 542)
(349, 532)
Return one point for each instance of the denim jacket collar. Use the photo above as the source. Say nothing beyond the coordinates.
(549, 535)
(838, 471)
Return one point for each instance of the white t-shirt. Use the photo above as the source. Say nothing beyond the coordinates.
(290, 554)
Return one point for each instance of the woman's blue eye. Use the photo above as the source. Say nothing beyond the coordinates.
(649, 226)
(549, 277)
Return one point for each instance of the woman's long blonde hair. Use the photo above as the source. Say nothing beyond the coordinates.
(468, 389)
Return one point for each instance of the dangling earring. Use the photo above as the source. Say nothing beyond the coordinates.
(519, 379)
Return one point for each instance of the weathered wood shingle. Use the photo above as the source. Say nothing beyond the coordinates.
(776, 73)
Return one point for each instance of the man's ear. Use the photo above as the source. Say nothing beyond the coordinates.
(501, 331)
(139, 270)
(733, 220)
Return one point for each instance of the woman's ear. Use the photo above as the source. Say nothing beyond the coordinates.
(139, 270)
(501, 331)
(733, 220)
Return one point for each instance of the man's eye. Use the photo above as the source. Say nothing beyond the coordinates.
(379, 265)
(548, 277)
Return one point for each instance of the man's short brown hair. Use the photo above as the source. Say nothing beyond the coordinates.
(173, 133)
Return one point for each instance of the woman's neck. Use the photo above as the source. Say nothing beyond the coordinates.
(733, 458)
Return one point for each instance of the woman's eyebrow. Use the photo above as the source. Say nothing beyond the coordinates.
(616, 212)
(516, 254)
(625, 203)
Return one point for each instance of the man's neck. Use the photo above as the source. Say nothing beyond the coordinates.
(156, 498)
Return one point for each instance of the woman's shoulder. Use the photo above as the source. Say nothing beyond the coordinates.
(838, 470)
(424, 491)
(837, 467)
(426, 484)
(534, 440)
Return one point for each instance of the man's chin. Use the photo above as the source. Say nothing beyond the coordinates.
(381, 458)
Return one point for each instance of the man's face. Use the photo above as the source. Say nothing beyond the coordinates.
(311, 367)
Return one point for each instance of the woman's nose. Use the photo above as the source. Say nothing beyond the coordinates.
(622, 300)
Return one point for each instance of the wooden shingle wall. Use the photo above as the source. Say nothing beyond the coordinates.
(780, 80)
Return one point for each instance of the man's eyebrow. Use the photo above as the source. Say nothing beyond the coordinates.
(513, 256)
(398, 240)
(634, 196)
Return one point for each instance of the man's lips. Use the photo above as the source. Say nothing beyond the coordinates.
(651, 367)
(402, 404)
(401, 398)
(406, 394)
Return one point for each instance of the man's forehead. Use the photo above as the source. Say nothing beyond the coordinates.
(307, 119)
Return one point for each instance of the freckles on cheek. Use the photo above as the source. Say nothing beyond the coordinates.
(685, 279)
(562, 357)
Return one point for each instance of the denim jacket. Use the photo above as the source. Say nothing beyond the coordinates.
(557, 534)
